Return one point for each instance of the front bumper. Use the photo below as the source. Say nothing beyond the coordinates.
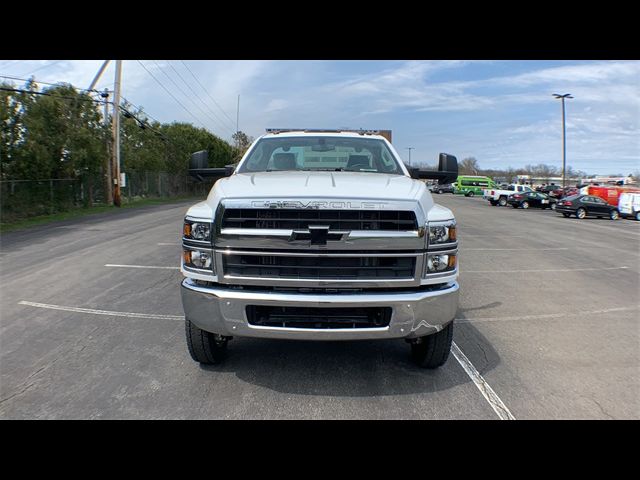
(222, 310)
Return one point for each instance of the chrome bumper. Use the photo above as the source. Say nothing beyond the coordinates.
(222, 310)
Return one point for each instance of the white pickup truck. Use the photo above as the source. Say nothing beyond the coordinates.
(499, 197)
(320, 235)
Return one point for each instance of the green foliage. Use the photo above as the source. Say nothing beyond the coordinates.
(60, 133)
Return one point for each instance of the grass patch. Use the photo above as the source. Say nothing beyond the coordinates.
(82, 212)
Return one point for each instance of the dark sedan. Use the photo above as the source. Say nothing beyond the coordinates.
(448, 188)
(586, 206)
(531, 199)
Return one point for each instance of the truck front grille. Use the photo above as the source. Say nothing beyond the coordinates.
(318, 318)
(319, 267)
(292, 219)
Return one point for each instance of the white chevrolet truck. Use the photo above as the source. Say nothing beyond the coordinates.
(320, 235)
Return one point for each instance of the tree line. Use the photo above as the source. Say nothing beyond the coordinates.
(471, 166)
(59, 132)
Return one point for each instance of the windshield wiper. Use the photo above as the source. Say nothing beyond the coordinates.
(337, 169)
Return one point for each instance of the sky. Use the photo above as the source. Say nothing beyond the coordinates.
(500, 112)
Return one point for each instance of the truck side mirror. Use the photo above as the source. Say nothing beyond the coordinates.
(199, 167)
(447, 170)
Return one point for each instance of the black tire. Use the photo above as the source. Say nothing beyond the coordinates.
(493, 202)
(515, 205)
(614, 215)
(553, 206)
(502, 202)
(525, 205)
(440, 192)
(638, 216)
(432, 351)
(581, 213)
(205, 347)
(566, 215)
(471, 194)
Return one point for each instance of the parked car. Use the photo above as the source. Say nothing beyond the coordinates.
(447, 188)
(629, 205)
(586, 205)
(532, 199)
(551, 190)
(570, 191)
(499, 196)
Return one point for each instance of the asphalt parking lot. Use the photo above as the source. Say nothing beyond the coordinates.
(549, 318)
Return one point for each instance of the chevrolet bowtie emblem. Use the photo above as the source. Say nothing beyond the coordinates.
(318, 234)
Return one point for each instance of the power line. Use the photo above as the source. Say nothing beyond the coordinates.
(58, 84)
(200, 99)
(44, 66)
(205, 90)
(31, 92)
(182, 91)
(171, 94)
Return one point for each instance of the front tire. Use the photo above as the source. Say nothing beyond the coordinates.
(553, 206)
(581, 213)
(470, 194)
(205, 347)
(525, 205)
(614, 215)
(432, 351)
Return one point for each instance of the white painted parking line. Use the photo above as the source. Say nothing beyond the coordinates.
(168, 243)
(549, 270)
(548, 315)
(101, 312)
(494, 400)
(140, 266)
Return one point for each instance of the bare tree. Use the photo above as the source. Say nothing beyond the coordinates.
(469, 166)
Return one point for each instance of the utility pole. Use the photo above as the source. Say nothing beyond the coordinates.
(116, 135)
(564, 147)
(409, 148)
(108, 182)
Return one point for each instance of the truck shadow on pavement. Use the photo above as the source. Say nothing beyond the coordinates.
(365, 368)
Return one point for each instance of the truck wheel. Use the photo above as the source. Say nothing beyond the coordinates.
(502, 201)
(205, 347)
(614, 215)
(581, 213)
(432, 351)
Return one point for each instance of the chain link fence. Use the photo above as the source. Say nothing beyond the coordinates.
(28, 198)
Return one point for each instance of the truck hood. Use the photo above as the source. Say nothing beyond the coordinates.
(360, 185)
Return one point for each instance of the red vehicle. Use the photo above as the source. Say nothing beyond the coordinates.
(609, 193)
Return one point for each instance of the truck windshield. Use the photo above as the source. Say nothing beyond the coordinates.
(321, 153)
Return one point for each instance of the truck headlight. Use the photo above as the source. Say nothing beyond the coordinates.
(193, 230)
(440, 262)
(196, 259)
(442, 234)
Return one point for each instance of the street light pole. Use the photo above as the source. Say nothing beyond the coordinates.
(409, 148)
(564, 147)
